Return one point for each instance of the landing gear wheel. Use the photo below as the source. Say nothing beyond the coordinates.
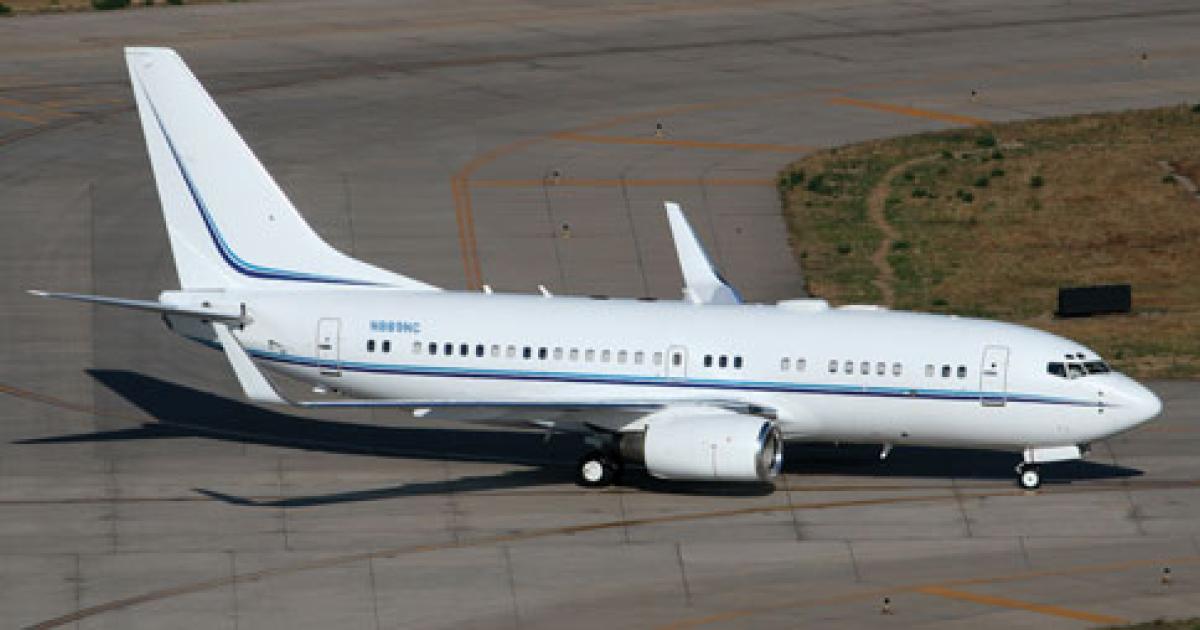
(1029, 477)
(596, 470)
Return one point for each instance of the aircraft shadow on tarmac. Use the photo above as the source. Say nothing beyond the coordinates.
(182, 411)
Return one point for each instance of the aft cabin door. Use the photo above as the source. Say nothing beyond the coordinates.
(676, 362)
(993, 376)
(328, 353)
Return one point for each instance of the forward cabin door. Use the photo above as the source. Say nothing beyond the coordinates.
(328, 351)
(993, 376)
(676, 362)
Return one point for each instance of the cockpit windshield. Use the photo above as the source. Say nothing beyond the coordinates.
(1077, 369)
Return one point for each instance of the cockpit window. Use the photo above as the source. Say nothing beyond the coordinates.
(1097, 367)
(1077, 369)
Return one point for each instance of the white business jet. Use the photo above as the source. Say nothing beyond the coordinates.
(705, 388)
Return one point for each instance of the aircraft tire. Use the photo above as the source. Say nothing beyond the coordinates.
(596, 470)
(1029, 477)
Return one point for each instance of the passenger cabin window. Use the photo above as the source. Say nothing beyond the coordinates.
(387, 346)
(511, 352)
(864, 368)
(590, 355)
(622, 356)
(962, 371)
(416, 347)
(542, 353)
(448, 349)
(574, 354)
(464, 349)
(495, 351)
(849, 367)
(479, 350)
(880, 368)
(370, 345)
(785, 364)
(833, 366)
(928, 370)
(558, 354)
(527, 352)
(897, 369)
(800, 365)
(737, 363)
(722, 361)
(708, 360)
(945, 371)
(432, 348)
(605, 355)
(657, 358)
(639, 357)
(676, 359)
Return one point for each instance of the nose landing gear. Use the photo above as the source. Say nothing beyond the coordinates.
(1029, 476)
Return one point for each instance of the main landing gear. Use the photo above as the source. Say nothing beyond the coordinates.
(597, 469)
(1029, 476)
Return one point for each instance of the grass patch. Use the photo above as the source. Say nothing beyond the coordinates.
(1079, 200)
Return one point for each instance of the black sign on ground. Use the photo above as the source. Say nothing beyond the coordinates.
(1094, 300)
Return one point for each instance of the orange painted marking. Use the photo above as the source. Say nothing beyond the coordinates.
(690, 144)
(910, 111)
(1004, 602)
(614, 183)
(22, 117)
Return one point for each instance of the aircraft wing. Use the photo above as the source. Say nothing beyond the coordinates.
(702, 283)
(258, 388)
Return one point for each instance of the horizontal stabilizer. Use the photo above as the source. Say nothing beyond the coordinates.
(702, 283)
(216, 313)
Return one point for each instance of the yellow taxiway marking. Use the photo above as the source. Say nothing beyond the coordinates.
(909, 111)
(1004, 602)
(616, 183)
(689, 144)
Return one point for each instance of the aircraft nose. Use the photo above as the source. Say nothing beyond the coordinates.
(1141, 404)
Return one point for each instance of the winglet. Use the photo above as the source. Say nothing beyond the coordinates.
(254, 384)
(702, 283)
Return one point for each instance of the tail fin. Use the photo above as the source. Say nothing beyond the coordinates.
(230, 224)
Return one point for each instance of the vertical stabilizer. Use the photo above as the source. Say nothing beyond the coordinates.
(229, 223)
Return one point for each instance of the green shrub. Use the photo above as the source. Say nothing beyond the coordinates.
(1196, 108)
(1168, 179)
(981, 182)
(997, 172)
(967, 196)
(920, 192)
(997, 155)
(900, 246)
(795, 178)
(106, 5)
(947, 155)
(986, 141)
(1037, 181)
(939, 302)
(5, 9)
(843, 248)
(175, 2)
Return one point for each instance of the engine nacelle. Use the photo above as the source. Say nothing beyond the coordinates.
(711, 445)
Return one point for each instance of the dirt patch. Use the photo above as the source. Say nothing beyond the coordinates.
(1001, 217)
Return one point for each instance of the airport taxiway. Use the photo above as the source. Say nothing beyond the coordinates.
(516, 144)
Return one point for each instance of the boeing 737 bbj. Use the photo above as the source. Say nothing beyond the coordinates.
(704, 388)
